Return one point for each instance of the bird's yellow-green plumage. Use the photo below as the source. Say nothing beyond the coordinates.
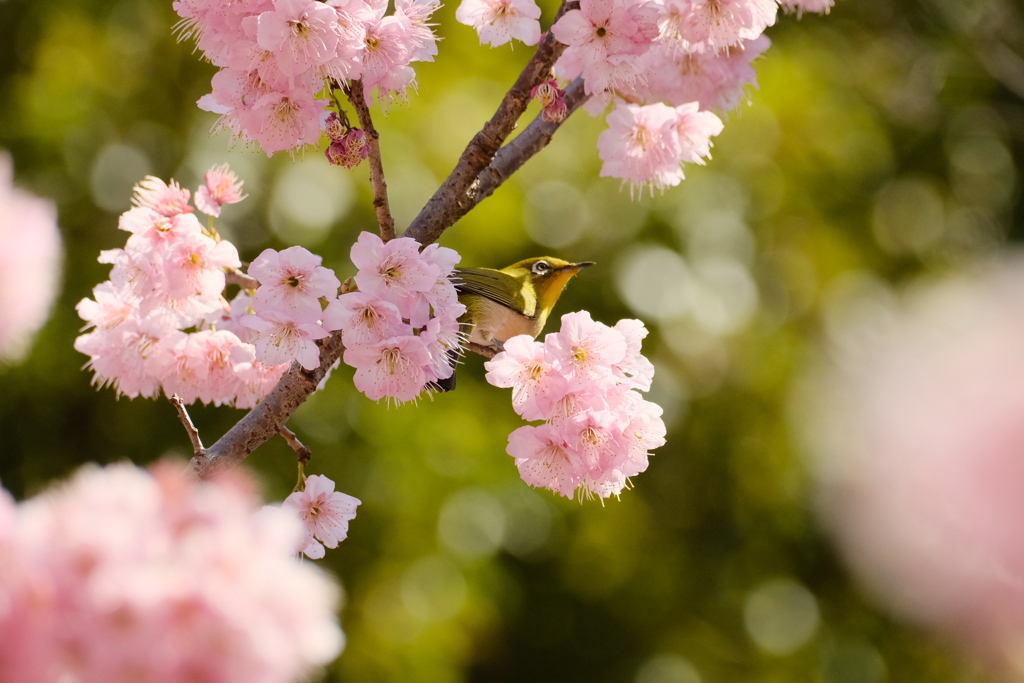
(515, 300)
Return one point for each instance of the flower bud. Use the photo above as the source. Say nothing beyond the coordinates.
(334, 127)
(348, 151)
(552, 98)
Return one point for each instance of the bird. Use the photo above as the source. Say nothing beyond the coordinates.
(503, 303)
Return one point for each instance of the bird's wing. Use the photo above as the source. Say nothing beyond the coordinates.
(494, 285)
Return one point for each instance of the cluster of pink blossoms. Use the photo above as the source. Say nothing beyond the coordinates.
(401, 328)
(584, 381)
(169, 278)
(286, 321)
(29, 264)
(121, 575)
(277, 56)
(665, 64)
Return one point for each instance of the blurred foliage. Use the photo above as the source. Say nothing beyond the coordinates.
(885, 141)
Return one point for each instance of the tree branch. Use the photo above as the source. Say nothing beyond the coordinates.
(269, 416)
(536, 137)
(301, 450)
(380, 186)
(236, 277)
(193, 433)
(455, 196)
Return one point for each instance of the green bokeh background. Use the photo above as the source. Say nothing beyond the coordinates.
(885, 141)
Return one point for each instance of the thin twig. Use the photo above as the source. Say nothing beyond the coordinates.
(380, 186)
(452, 199)
(536, 137)
(236, 277)
(300, 449)
(193, 433)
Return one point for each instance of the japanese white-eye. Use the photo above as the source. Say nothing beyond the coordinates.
(501, 304)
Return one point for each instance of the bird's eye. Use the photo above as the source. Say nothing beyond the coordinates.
(541, 267)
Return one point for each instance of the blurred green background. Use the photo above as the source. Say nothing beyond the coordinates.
(885, 141)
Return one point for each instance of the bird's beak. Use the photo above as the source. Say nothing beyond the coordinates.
(576, 267)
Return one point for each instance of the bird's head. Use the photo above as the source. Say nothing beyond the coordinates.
(547, 275)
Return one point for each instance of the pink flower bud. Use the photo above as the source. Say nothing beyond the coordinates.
(348, 151)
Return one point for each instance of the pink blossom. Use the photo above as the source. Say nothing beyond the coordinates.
(604, 39)
(422, 41)
(544, 459)
(292, 281)
(386, 52)
(394, 271)
(597, 436)
(325, 514)
(584, 347)
(281, 120)
(300, 33)
(195, 266)
(256, 380)
(221, 186)
(647, 145)
(166, 199)
(111, 307)
(499, 21)
(915, 429)
(280, 339)
(634, 364)
(391, 368)
(715, 25)
(134, 357)
(29, 264)
(583, 380)
(122, 575)
(444, 340)
(714, 80)
(527, 367)
(364, 319)
(206, 367)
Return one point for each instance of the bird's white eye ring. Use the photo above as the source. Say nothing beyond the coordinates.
(541, 267)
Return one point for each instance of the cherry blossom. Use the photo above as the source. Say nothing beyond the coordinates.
(499, 21)
(392, 368)
(646, 145)
(363, 318)
(221, 187)
(29, 264)
(604, 38)
(325, 514)
(584, 381)
(300, 33)
(714, 25)
(914, 431)
(124, 575)
(292, 281)
(166, 199)
(280, 339)
(170, 278)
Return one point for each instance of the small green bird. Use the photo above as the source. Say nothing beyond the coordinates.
(501, 304)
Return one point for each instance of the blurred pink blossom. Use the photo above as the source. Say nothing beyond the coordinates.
(30, 264)
(121, 575)
(917, 425)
